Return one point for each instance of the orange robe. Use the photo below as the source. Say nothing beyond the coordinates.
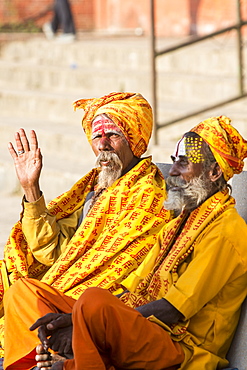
(107, 334)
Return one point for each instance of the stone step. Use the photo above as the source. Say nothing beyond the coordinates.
(208, 71)
(211, 57)
(57, 107)
(208, 58)
(125, 53)
(85, 81)
(80, 81)
(41, 105)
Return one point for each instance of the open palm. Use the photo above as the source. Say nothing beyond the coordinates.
(28, 161)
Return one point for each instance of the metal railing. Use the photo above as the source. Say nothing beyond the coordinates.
(155, 54)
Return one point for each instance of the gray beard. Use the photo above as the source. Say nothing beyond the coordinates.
(108, 174)
(189, 195)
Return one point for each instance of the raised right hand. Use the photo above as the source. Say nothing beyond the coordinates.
(28, 165)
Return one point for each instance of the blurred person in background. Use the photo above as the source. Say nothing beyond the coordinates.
(62, 19)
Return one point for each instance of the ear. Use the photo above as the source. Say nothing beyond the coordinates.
(215, 172)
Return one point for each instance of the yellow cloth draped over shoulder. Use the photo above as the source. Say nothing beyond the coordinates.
(119, 229)
(111, 241)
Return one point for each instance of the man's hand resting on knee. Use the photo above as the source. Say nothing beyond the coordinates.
(55, 332)
(162, 309)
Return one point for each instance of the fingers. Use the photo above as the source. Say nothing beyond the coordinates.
(43, 358)
(61, 345)
(22, 143)
(43, 331)
(40, 349)
(12, 151)
(53, 321)
(44, 320)
(43, 335)
(56, 327)
(45, 327)
(61, 321)
(42, 362)
(61, 340)
(33, 140)
(68, 348)
(47, 361)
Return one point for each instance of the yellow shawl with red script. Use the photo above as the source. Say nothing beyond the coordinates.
(111, 242)
(159, 270)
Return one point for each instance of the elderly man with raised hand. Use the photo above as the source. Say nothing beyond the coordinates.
(101, 229)
(182, 304)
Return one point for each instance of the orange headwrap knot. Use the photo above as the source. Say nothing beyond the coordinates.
(228, 146)
(129, 111)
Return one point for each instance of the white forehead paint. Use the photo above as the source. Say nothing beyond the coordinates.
(179, 149)
(98, 118)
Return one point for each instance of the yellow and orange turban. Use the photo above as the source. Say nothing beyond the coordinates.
(228, 146)
(129, 111)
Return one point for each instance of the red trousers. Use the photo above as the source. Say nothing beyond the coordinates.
(106, 333)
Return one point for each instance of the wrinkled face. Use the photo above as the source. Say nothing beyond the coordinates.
(107, 137)
(188, 183)
(187, 158)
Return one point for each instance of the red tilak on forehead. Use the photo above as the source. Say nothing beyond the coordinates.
(103, 125)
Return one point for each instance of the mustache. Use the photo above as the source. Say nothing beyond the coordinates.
(176, 181)
(107, 156)
(188, 195)
(109, 174)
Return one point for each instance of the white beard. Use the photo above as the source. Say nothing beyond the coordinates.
(188, 195)
(109, 174)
